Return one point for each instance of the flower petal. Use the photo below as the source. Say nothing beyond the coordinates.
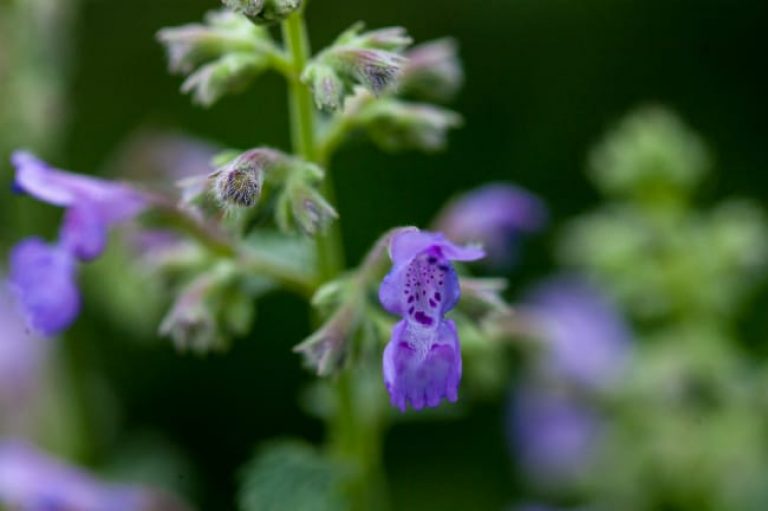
(83, 232)
(422, 366)
(409, 242)
(118, 202)
(43, 278)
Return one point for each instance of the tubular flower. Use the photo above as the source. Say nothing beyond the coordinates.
(422, 362)
(42, 275)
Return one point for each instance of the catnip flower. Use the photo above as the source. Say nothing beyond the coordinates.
(554, 435)
(422, 362)
(587, 341)
(43, 275)
(494, 215)
(22, 360)
(30, 480)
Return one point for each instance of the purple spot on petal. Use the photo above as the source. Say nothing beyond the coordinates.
(423, 318)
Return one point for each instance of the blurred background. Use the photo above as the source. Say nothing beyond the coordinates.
(546, 80)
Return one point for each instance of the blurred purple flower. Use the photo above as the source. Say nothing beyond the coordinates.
(494, 215)
(42, 278)
(22, 356)
(31, 481)
(93, 205)
(587, 340)
(554, 436)
(422, 362)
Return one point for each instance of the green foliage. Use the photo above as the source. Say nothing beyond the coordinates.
(291, 476)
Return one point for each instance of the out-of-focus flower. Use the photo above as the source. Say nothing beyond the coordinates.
(43, 275)
(191, 322)
(22, 356)
(162, 158)
(433, 71)
(587, 341)
(43, 279)
(554, 436)
(651, 155)
(494, 215)
(396, 125)
(93, 204)
(422, 362)
(30, 480)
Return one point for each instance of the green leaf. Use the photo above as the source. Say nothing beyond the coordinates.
(290, 475)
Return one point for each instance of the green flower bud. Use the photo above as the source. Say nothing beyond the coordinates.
(263, 11)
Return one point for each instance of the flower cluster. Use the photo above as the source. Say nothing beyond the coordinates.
(43, 275)
(31, 480)
(422, 362)
(371, 59)
(218, 57)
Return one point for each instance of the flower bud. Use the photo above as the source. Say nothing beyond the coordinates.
(192, 45)
(324, 351)
(433, 71)
(250, 8)
(397, 125)
(191, 322)
(228, 74)
(329, 89)
(377, 70)
(370, 59)
(263, 11)
(311, 211)
(239, 183)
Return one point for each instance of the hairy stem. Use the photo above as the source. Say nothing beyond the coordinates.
(351, 437)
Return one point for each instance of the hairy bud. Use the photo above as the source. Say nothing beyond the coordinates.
(191, 322)
(263, 11)
(398, 125)
(433, 71)
(239, 183)
(325, 350)
(370, 59)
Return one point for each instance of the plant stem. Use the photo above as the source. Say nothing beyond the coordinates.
(329, 247)
(351, 437)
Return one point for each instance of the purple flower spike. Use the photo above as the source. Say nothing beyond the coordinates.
(93, 204)
(493, 215)
(30, 480)
(42, 277)
(422, 362)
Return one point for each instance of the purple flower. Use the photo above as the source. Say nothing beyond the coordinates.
(22, 357)
(29, 480)
(93, 205)
(494, 215)
(555, 436)
(588, 342)
(42, 277)
(422, 362)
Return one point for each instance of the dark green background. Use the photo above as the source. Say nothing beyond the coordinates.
(545, 78)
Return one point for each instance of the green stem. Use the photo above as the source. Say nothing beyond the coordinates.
(351, 437)
(303, 126)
